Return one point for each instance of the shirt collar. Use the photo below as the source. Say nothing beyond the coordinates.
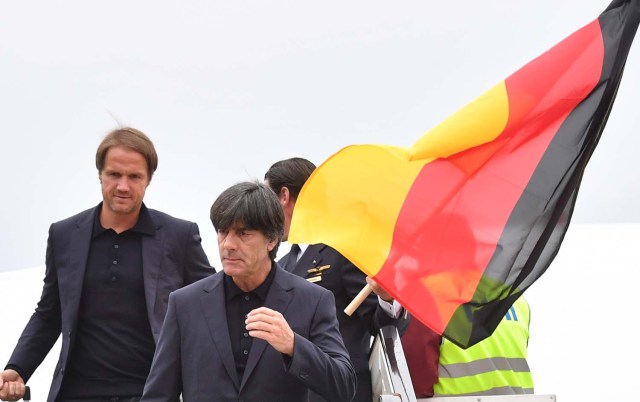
(144, 225)
(232, 290)
(303, 248)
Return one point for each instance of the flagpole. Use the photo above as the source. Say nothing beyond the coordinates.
(357, 301)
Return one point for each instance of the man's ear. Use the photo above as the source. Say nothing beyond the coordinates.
(284, 196)
(271, 244)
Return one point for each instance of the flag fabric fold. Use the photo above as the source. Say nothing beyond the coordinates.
(457, 226)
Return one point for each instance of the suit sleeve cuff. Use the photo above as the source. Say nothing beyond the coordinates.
(17, 370)
(393, 309)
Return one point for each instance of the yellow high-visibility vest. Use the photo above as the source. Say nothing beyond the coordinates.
(495, 366)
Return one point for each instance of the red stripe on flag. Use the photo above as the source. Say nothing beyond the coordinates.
(455, 212)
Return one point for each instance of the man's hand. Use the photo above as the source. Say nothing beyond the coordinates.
(271, 326)
(379, 291)
(11, 385)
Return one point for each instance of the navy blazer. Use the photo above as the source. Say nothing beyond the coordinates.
(172, 258)
(325, 266)
(194, 355)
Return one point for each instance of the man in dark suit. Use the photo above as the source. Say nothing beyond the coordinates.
(324, 266)
(109, 272)
(253, 332)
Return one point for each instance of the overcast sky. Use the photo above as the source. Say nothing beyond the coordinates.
(225, 88)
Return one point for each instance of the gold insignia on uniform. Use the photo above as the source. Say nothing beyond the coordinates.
(315, 274)
(318, 269)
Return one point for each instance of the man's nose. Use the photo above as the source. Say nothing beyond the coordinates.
(123, 184)
(229, 241)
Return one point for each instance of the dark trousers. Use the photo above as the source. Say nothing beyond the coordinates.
(104, 399)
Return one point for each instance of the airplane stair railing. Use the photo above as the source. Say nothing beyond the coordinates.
(391, 381)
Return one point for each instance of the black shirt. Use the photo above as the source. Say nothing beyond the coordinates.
(114, 346)
(238, 306)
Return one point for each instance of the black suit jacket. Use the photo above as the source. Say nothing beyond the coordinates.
(171, 259)
(194, 355)
(324, 266)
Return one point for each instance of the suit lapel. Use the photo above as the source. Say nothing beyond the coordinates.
(310, 259)
(151, 262)
(80, 243)
(287, 262)
(213, 305)
(278, 299)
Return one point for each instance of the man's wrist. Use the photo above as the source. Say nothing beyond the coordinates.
(17, 370)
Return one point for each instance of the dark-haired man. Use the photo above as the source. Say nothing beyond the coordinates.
(253, 332)
(326, 267)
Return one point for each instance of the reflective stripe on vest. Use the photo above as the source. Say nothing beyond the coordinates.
(495, 366)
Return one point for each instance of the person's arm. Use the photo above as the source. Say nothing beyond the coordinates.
(164, 381)
(196, 262)
(43, 329)
(323, 358)
(385, 300)
(372, 311)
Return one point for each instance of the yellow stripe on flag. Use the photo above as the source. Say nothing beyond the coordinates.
(325, 203)
(479, 122)
(362, 188)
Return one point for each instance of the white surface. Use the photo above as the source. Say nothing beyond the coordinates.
(583, 317)
(582, 346)
(20, 292)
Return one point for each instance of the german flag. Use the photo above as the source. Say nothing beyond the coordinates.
(460, 224)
